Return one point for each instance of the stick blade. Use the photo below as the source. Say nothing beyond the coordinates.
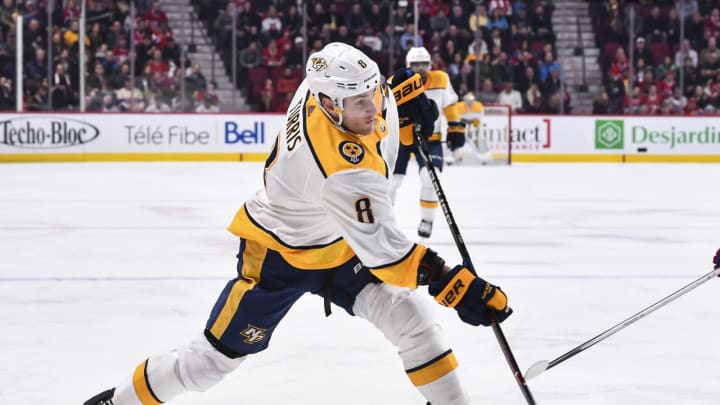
(536, 369)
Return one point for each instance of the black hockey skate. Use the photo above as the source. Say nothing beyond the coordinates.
(425, 228)
(103, 398)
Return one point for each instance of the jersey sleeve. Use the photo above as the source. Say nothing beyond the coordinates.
(359, 201)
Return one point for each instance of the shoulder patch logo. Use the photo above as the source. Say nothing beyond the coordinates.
(352, 152)
(319, 64)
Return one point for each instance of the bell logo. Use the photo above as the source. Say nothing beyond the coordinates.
(609, 134)
(253, 334)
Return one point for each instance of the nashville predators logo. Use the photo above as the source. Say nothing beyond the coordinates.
(253, 334)
(319, 64)
(352, 152)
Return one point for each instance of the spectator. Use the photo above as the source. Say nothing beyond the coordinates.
(251, 56)
(601, 105)
(691, 76)
(156, 14)
(271, 24)
(711, 46)
(408, 37)
(678, 102)
(378, 17)
(710, 68)
(535, 99)
(294, 55)
(267, 94)
(440, 22)
(653, 100)
(292, 20)
(157, 105)
(641, 51)
(511, 97)
(487, 94)
(272, 56)
(550, 65)
(129, 98)
(355, 19)
(655, 26)
(667, 64)
(63, 96)
(98, 79)
(38, 101)
(196, 81)
(712, 25)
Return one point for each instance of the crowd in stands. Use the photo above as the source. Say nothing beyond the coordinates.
(664, 75)
(51, 81)
(502, 50)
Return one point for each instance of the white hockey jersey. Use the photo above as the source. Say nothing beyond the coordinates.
(440, 90)
(327, 196)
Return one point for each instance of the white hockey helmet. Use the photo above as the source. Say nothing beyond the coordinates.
(339, 71)
(417, 54)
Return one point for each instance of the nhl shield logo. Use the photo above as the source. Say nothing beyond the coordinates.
(352, 152)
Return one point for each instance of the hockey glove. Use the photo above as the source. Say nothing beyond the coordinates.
(455, 135)
(716, 259)
(474, 299)
(413, 105)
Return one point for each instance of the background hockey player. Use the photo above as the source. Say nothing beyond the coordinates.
(324, 224)
(471, 113)
(438, 88)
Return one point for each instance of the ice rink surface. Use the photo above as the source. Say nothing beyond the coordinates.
(104, 264)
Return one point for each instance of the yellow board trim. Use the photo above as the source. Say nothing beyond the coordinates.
(253, 258)
(320, 258)
(131, 157)
(434, 371)
(518, 157)
(140, 384)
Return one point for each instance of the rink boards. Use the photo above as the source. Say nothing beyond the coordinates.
(38, 137)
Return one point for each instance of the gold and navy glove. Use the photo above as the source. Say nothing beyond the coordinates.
(474, 299)
(414, 107)
(455, 135)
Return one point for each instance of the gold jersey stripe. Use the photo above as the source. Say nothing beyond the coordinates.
(402, 273)
(433, 370)
(304, 258)
(429, 204)
(253, 258)
(142, 387)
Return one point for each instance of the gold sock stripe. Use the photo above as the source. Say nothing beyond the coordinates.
(142, 386)
(456, 289)
(433, 370)
(429, 204)
(253, 258)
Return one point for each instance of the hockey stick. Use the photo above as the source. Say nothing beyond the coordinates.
(504, 345)
(544, 365)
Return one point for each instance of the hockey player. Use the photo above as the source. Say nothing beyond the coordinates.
(324, 224)
(471, 112)
(438, 88)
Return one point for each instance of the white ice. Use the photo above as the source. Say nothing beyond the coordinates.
(104, 264)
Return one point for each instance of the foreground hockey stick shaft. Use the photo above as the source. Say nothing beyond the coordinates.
(455, 231)
(542, 366)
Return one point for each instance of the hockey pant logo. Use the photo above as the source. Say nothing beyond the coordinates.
(253, 334)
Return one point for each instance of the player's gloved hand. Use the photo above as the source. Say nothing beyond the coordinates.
(414, 107)
(475, 300)
(455, 135)
(716, 259)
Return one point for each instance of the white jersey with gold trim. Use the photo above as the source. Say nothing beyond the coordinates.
(327, 196)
